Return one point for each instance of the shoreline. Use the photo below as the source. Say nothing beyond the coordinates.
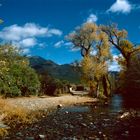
(46, 102)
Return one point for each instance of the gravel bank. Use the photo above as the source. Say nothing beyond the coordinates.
(45, 102)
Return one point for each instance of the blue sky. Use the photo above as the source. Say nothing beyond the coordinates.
(40, 26)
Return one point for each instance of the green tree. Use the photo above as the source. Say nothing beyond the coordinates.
(16, 76)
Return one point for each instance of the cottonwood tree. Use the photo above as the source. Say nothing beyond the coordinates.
(95, 49)
(129, 61)
(118, 39)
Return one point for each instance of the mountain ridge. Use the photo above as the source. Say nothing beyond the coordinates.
(61, 72)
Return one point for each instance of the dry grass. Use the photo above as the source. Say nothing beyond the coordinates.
(15, 116)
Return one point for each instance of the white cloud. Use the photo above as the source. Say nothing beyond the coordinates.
(114, 66)
(26, 51)
(68, 44)
(54, 32)
(59, 44)
(16, 32)
(28, 42)
(92, 18)
(93, 52)
(27, 35)
(74, 49)
(121, 6)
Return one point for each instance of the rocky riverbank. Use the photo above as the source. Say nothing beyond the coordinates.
(81, 121)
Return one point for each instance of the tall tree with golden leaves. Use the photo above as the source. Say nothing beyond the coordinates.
(95, 49)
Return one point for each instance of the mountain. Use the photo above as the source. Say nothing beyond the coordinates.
(62, 72)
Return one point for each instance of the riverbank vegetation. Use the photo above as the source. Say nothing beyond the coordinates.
(96, 43)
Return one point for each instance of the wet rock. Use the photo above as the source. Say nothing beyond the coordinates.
(124, 115)
(7, 138)
(126, 132)
(66, 125)
(19, 134)
(106, 120)
(66, 112)
(29, 138)
(69, 138)
(102, 113)
(92, 138)
(2, 125)
(59, 106)
(100, 132)
(41, 137)
(71, 126)
(91, 125)
(83, 124)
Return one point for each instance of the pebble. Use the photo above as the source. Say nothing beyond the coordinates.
(59, 106)
(41, 137)
(106, 120)
(19, 134)
(124, 115)
(29, 138)
(2, 125)
(66, 112)
(100, 132)
(69, 138)
(83, 124)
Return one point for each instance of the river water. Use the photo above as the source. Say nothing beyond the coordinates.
(117, 104)
(119, 119)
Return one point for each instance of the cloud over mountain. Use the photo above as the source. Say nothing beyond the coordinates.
(27, 35)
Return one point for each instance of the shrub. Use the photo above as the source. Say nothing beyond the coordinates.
(17, 78)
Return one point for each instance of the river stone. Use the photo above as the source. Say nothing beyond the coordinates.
(2, 125)
(124, 115)
(66, 125)
(41, 137)
(91, 125)
(66, 112)
(71, 126)
(29, 138)
(19, 134)
(59, 106)
(69, 138)
(83, 124)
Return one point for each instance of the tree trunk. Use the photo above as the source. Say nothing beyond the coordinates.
(106, 85)
(92, 92)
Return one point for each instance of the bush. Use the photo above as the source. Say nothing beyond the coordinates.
(17, 78)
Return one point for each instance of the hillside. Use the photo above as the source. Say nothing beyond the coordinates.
(62, 72)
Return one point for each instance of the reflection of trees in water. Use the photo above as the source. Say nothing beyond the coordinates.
(131, 101)
(120, 102)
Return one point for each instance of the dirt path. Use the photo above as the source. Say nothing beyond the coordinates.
(45, 102)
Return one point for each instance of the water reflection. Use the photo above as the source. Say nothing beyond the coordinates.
(131, 102)
(76, 109)
(116, 103)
